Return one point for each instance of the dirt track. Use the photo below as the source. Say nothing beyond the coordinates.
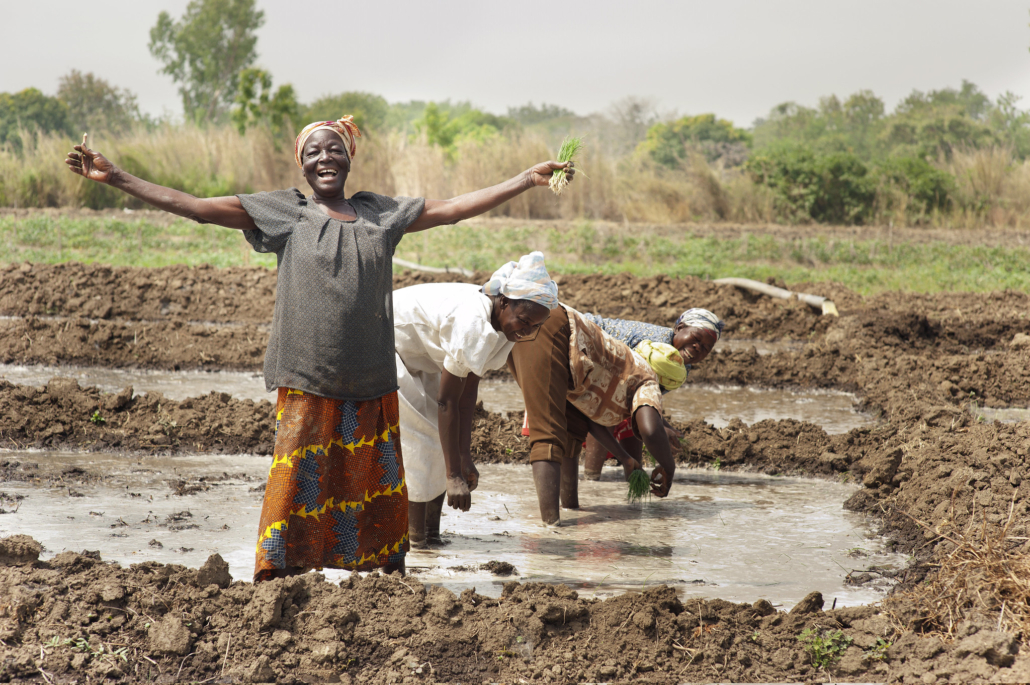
(919, 361)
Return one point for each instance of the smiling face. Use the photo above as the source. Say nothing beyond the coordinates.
(519, 320)
(325, 163)
(693, 343)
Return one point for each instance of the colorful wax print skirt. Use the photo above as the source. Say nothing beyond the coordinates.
(336, 495)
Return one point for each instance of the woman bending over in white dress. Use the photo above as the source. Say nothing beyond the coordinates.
(448, 335)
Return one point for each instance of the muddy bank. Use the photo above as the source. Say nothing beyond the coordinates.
(76, 616)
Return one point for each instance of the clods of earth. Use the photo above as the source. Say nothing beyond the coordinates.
(949, 488)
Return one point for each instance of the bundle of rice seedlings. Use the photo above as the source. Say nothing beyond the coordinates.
(569, 148)
(639, 486)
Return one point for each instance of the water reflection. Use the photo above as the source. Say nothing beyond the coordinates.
(175, 385)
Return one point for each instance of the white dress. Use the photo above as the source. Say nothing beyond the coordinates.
(437, 326)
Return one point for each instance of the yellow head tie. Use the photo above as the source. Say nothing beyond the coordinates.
(666, 361)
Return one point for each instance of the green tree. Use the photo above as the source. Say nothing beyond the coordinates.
(1012, 124)
(369, 111)
(30, 108)
(934, 124)
(95, 104)
(205, 51)
(670, 143)
(256, 105)
(447, 128)
(853, 125)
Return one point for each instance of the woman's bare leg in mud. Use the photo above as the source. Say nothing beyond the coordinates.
(570, 479)
(434, 508)
(594, 456)
(417, 524)
(547, 476)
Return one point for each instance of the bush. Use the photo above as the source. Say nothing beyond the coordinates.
(670, 143)
(926, 188)
(834, 188)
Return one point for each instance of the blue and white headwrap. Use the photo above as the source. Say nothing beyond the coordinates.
(702, 318)
(525, 280)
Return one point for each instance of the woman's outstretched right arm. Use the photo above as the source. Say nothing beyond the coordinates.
(223, 211)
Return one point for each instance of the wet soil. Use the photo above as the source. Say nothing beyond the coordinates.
(922, 364)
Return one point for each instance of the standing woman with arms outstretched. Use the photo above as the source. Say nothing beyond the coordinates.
(336, 495)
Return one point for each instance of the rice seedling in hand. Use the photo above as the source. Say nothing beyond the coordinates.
(639, 485)
(569, 148)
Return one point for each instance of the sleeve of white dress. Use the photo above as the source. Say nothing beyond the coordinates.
(467, 342)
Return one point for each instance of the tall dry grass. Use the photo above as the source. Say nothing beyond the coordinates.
(980, 572)
(992, 187)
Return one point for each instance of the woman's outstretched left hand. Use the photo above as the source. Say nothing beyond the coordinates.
(541, 173)
(91, 164)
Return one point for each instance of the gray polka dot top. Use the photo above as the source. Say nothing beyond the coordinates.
(332, 330)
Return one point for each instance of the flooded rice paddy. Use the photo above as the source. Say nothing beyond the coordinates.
(737, 537)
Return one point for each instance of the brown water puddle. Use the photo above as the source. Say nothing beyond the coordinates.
(834, 411)
(738, 537)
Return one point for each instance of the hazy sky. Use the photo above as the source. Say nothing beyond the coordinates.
(732, 57)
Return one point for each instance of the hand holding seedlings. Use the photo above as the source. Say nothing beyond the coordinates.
(543, 173)
(561, 178)
(639, 485)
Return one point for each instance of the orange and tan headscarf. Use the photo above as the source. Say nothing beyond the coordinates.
(346, 127)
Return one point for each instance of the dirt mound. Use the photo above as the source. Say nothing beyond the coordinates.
(76, 615)
(170, 345)
(63, 415)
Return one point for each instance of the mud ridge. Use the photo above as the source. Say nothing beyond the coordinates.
(247, 295)
(76, 616)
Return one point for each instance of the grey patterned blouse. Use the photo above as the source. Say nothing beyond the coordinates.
(332, 330)
(634, 332)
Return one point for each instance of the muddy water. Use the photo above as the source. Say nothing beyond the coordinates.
(717, 535)
(175, 385)
(1003, 414)
(834, 411)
